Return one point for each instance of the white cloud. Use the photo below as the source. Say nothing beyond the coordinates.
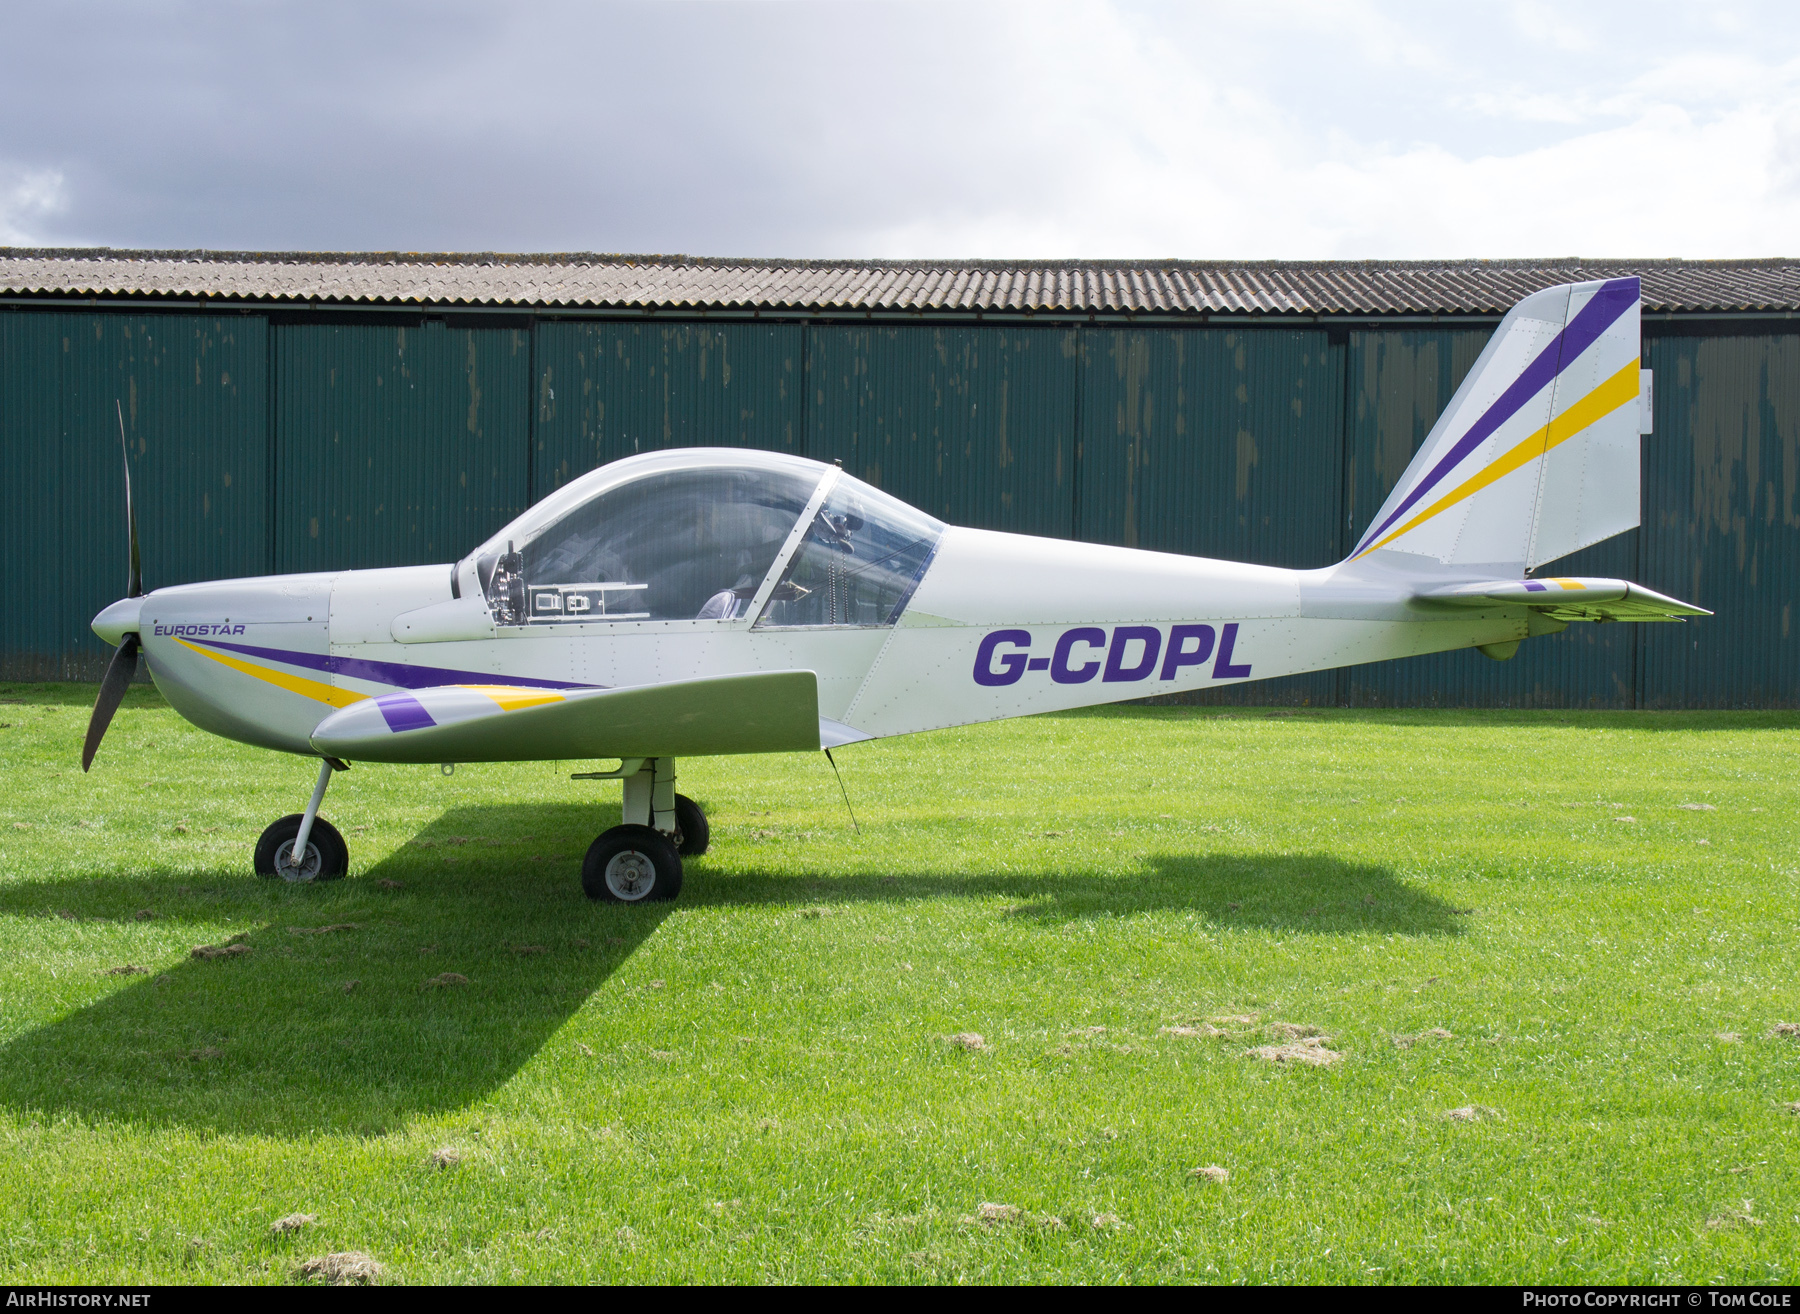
(1694, 154)
(27, 198)
(1122, 128)
(1557, 26)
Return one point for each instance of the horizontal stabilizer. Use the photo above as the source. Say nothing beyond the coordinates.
(763, 712)
(1567, 599)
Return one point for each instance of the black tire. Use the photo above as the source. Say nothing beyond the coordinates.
(692, 834)
(327, 856)
(631, 864)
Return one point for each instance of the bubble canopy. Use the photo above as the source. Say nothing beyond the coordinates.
(721, 535)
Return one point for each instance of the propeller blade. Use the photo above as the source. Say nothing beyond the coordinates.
(112, 692)
(134, 587)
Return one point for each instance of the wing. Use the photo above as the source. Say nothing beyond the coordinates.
(1567, 599)
(762, 712)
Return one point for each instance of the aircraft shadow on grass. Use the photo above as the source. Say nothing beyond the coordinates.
(269, 1041)
(1308, 892)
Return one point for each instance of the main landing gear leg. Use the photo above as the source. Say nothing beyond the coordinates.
(639, 861)
(305, 847)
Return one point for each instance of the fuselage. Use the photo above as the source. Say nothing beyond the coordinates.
(998, 625)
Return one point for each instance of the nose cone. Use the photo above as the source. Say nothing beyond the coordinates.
(118, 620)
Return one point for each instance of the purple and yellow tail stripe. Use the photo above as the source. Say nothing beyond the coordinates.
(1620, 390)
(1601, 312)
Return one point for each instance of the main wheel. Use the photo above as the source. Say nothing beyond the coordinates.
(327, 857)
(631, 864)
(692, 834)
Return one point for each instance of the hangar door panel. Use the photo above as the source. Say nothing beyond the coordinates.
(1216, 442)
(605, 391)
(193, 390)
(972, 424)
(396, 445)
(1721, 522)
(31, 538)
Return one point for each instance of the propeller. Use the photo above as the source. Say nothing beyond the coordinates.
(123, 667)
(119, 672)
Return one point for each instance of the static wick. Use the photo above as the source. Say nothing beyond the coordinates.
(840, 779)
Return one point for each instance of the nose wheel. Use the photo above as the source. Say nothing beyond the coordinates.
(305, 847)
(325, 856)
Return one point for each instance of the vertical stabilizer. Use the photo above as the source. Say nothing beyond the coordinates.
(1537, 453)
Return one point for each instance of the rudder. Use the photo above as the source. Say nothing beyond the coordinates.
(1537, 453)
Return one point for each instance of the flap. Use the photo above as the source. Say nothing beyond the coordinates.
(1566, 599)
(763, 712)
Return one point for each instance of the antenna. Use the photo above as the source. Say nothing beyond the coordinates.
(840, 779)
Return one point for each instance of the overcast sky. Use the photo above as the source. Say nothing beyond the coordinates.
(1059, 128)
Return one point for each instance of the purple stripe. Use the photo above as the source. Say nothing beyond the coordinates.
(1603, 309)
(404, 712)
(1532, 587)
(398, 674)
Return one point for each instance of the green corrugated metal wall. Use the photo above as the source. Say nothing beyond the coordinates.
(607, 390)
(974, 424)
(194, 394)
(396, 445)
(1213, 442)
(321, 443)
(32, 545)
(1722, 519)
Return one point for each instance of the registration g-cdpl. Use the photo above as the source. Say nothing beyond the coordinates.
(1128, 654)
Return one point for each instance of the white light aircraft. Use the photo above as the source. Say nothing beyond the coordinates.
(711, 600)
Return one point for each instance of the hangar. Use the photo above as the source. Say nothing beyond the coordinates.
(294, 412)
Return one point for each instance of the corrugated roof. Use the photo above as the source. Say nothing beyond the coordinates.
(1354, 287)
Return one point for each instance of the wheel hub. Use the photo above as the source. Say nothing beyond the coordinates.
(630, 875)
(307, 869)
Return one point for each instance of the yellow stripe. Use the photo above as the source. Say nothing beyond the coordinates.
(511, 697)
(322, 693)
(1569, 583)
(1597, 405)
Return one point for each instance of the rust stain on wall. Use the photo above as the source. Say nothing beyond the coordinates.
(474, 388)
(1246, 462)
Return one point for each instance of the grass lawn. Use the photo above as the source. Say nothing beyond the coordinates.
(1579, 929)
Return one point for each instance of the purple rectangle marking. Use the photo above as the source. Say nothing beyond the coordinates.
(404, 712)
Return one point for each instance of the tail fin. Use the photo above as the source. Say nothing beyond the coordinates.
(1537, 453)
